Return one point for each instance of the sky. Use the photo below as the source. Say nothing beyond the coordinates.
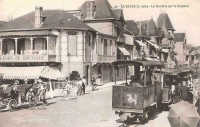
(184, 19)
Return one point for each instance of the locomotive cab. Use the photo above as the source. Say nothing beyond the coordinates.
(142, 95)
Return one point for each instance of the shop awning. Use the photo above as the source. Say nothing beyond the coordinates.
(123, 50)
(34, 72)
(153, 59)
(52, 73)
(154, 45)
(140, 43)
(165, 50)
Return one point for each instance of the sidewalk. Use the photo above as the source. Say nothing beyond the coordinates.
(110, 84)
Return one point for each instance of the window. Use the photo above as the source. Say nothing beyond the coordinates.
(105, 47)
(111, 48)
(165, 57)
(187, 57)
(100, 46)
(117, 71)
(72, 45)
(99, 71)
(90, 9)
(108, 48)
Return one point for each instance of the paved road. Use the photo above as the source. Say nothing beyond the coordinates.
(91, 110)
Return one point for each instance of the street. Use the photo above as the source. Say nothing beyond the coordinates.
(90, 110)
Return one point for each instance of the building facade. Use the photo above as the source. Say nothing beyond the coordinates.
(51, 38)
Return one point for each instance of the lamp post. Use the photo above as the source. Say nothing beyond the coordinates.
(69, 57)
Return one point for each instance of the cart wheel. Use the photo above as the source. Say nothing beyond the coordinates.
(12, 105)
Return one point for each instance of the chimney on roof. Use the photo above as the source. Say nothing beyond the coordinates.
(38, 16)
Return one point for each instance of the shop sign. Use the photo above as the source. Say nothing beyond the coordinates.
(23, 58)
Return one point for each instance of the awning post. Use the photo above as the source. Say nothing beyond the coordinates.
(145, 76)
(115, 74)
(126, 74)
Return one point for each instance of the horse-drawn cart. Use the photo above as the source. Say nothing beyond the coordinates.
(13, 96)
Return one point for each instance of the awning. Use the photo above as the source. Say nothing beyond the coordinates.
(170, 71)
(151, 59)
(123, 50)
(154, 45)
(140, 43)
(137, 63)
(165, 50)
(34, 72)
(52, 73)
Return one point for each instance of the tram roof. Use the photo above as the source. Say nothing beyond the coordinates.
(137, 63)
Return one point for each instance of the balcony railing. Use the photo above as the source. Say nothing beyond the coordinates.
(103, 58)
(29, 52)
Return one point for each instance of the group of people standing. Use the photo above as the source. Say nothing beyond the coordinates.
(33, 93)
(181, 92)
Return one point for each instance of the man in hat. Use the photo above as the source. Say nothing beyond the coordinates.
(42, 91)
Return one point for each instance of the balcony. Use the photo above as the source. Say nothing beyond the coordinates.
(121, 39)
(103, 58)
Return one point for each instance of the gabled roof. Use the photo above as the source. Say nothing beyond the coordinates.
(132, 26)
(117, 13)
(53, 19)
(143, 26)
(163, 19)
(166, 33)
(103, 9)
(152, 28)
(160, 33)
(179, 37)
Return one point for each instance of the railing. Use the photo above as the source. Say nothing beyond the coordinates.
(102, 58)
(121, 39)
(29, 52)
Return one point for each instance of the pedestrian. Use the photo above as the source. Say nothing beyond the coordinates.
(174, 95)
(49, 89)
(93, 84)
(184, 91)
(190, 93)
(42, 92)
(83, 85)
(35, 85)
(79, 85)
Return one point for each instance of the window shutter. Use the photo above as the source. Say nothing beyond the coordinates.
(72, 45)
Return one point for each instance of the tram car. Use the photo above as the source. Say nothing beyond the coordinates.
(135, 100)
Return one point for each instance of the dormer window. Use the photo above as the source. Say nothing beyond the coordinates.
(90, 9)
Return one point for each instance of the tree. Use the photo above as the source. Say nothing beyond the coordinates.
(74, 75)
